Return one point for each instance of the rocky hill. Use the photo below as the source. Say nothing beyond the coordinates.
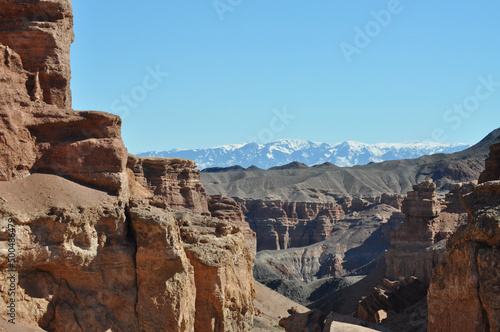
(90, 239)
(326, 183)
(285, 151)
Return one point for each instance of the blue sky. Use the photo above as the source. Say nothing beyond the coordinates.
(195, 74)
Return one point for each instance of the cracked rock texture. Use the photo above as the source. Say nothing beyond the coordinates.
(45, 135)
(41, 32)
(176, 181)
(464, 294)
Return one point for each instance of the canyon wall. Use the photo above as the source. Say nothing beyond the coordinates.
(175, 181)
(415, 249)
(85, 243)
(354, 247)
(419, 245)
(41, 32)
(281, 225)
(464, 293)
(43, 134)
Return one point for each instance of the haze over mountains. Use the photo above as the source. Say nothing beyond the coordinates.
(285, 151)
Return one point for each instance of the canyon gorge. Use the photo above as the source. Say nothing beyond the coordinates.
(96, 239)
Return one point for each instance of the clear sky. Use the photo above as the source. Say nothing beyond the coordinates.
(203, 73)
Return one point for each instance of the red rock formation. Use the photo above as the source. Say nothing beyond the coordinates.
(452, 202)
(223, 273)
(177, 181)
(228, 209)
(391, 298)
(74, 257)
(195, 271)
(281, 225)
(418, 246)
(464, 293)
(165, 277)
(492, 165)
(36, 136)
(41, 32)
(89, 258)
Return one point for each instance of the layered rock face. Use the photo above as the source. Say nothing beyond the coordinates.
(353, 248)
(418, 246)
(97, 246)
(41, 32)
(177, 181)
(44, 135)
(464, 293)
(228, 209)
(492, 165)
(87, 261)
(193, 272)
(281, 225)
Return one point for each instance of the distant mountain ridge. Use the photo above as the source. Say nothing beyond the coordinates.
(285, 151)
(326, 182)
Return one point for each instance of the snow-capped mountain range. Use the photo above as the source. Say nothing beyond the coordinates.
(285, 151)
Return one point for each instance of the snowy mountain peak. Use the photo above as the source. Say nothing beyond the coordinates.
(285, 151)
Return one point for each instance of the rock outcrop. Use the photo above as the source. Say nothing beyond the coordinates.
(391, 298)
(193, 272)
(492, 165)
(85, 243)
(41, 32)
(228, 209)
(464, 293)
(282, 225)
(75, 262)
(418, 246)
(176, 181)
(45, 135)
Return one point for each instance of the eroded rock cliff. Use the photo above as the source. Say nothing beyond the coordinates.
(226, 208)
(281, 225)
(464, 293)
(45, 135)
(41, 32)
(176, 181)
(95, 246)
(492, 165)
(419, 245)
